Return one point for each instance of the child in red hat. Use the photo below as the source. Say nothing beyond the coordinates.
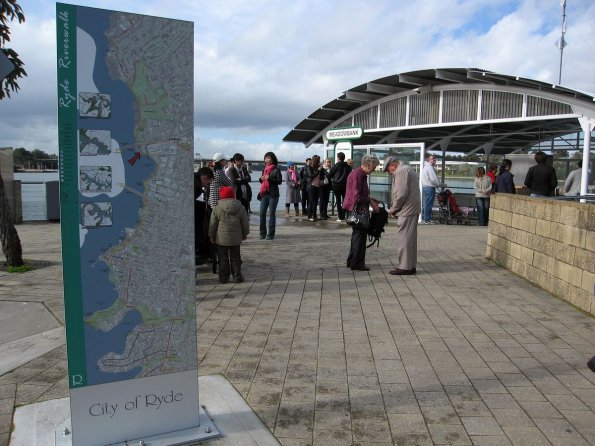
(228, 227)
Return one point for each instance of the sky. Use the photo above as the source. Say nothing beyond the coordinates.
(262, 66)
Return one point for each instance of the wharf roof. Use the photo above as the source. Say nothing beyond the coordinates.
(464, 109)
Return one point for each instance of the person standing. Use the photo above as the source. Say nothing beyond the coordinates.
(292, 192)
(325, 188)
(572, 185)
(541, 179)
(406, 206)
(314, 175)
(304, 186)
(269, 195)
(357, 197)
(429, 182)
(219, 178)
(505, 179)
(241, 179)
(483, 188)
(338, 174)
(228, 227)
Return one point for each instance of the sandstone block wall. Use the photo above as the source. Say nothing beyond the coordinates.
(550, 243)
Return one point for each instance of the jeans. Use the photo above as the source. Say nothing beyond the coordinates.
(339, 191)
(269, 203)
(304, 200)
(483, 207)
(325, 193)
(313, 193)
(428, 193)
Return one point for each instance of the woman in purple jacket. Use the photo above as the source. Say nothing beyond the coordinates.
(357, 197)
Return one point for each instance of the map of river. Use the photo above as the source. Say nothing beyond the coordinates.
(135, 184)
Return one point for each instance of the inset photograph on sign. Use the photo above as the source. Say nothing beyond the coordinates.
(95, 179)
(95, 215)
(95, 142)
(95, 105)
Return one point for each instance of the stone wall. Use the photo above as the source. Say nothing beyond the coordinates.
(550, 243)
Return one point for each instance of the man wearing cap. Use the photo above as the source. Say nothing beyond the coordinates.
(406, 205)
(219, 178)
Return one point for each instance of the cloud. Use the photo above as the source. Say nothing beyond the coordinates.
(261, 67)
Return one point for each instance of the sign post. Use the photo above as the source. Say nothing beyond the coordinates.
(125, 118)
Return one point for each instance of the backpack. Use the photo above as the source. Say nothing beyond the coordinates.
(378, 221)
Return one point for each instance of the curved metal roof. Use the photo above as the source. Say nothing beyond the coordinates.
(463, 109)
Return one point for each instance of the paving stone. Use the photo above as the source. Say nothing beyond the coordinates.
(490, 440)
(370, 432)
(440, 415)
(540, 409)
(448, 434)
(332, 420)
(481, 426)
(512, 417)
(525, 436)
(556, 427)
(332, 437)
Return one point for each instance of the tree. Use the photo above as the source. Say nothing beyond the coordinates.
(10, 10)
(11, 244)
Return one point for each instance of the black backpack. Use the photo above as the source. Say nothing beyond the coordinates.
(378, 221)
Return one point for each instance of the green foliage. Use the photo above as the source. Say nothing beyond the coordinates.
(9, 11)
(25, 159)
(19, 269)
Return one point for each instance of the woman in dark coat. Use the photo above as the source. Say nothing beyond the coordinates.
(357, 197)
(292, 192)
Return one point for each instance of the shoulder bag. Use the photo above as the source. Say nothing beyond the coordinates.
(358, 219)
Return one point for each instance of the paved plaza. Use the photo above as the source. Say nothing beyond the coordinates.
(463, 353)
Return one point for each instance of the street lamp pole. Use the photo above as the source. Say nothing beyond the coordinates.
(562, 43)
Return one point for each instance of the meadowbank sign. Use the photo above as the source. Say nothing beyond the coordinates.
(346, 133)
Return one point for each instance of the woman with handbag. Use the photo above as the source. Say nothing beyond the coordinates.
(357, 201)
(269, 195)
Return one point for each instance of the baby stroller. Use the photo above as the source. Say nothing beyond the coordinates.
(449, 210)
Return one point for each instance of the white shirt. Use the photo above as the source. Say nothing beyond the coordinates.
(428, 176)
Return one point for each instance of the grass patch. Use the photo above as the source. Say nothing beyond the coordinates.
(19, 269)
(29, 265)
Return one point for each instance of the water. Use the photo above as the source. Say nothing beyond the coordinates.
(33, 193)
(34, 207)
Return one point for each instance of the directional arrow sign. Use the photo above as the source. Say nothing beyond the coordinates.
(344, 133)
(6, 66)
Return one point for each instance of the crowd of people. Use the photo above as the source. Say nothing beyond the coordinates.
(228, 194)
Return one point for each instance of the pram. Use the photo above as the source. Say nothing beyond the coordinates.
(450, 211)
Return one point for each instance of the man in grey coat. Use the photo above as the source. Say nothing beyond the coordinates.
(406, 205)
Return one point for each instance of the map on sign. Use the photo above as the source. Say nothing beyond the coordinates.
(135, 154)
(95, 105)
(95, 142)
(96, 178)
(96, 214)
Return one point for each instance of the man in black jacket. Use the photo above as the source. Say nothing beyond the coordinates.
(541, 179)
(339, 173)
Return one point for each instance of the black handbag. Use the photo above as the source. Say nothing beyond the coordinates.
(358, 219)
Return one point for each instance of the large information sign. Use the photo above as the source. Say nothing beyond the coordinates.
(125, 116)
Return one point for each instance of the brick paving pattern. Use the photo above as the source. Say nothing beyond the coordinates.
(463, 353)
